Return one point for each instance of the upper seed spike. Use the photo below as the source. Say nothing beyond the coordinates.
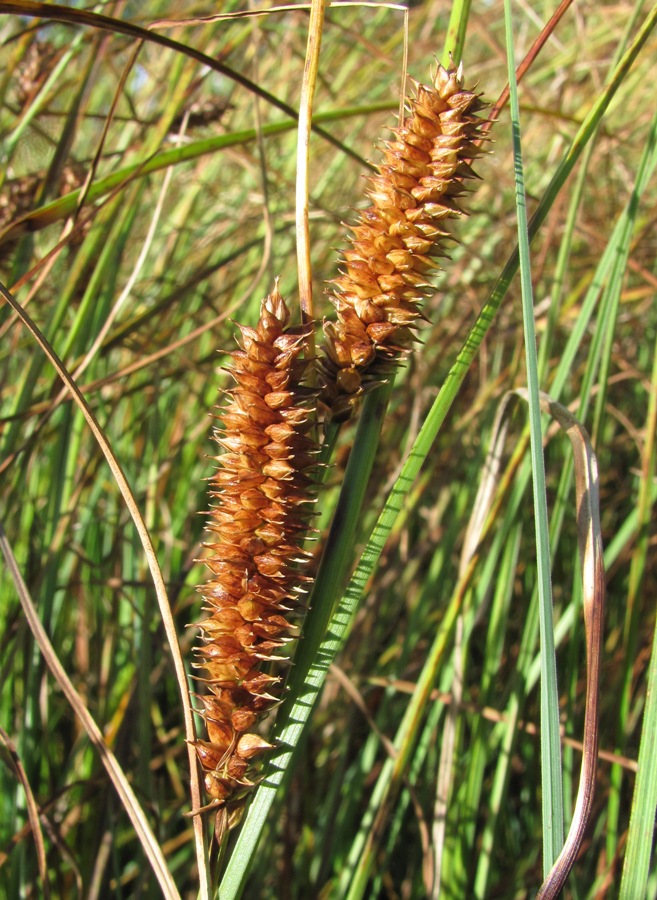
(394, 245)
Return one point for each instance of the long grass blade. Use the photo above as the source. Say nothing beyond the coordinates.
(640, 838)
(552, 804)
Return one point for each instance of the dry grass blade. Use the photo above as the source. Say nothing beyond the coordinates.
(156, 574)
(132, 806)
(125, 294)
(593, 592)
(475, 530)
(109, 119)
(444, 781)
(487, 486)
(32, 808)
(351, 690)
(494, 715)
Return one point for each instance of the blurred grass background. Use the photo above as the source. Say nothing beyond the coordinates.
(143, 290)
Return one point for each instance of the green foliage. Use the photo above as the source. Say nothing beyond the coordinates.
(421, 754)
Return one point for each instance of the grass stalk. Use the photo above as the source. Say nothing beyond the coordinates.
(552, 800)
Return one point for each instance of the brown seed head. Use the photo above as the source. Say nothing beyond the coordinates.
(262, 489)
(385, 273)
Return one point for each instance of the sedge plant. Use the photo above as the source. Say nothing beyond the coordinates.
(149, 199)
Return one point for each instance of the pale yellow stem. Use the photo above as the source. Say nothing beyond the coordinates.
(303, 164)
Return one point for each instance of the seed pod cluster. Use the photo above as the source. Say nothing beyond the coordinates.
(263, 485)
(395, 243)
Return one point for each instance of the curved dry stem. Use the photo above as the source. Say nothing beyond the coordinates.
(132, 806)
(156, 574)
(593, 594)
(21, 774)
(593, 591)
